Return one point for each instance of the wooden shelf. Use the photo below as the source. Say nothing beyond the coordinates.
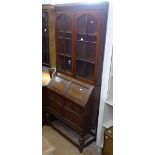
(109, 102)
(87, 34)
(85, 60)
(64, 32)
(108, 124)
(70, 134)
(86, 41)
(65, 55)
(64, 38)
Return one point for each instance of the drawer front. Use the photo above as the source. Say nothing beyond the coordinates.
(73, 107)
(54, 97)
(72, 118)
(108, 145)
(55, 107)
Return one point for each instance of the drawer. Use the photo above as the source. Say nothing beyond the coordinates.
(72, 118)
(73, 107)
(54, 97)
(55, 107)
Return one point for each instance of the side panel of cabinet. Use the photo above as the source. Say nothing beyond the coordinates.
(48, 36)
(52, 51)
(86, 38)
(64, 39)
(45, 37)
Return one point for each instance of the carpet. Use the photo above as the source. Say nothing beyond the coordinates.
(63, 146)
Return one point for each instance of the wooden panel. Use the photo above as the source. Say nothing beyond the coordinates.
(73, 118)
(108, 146)
(108, 142)
(53, 96)
(73, 107)
(78, 92)
(55, 107)
(59, 84)
(71, 89)
(52, 51)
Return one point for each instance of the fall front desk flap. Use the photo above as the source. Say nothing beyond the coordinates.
(70, 88)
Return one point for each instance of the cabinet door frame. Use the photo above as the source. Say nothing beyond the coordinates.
(95, 14)
(70, 14)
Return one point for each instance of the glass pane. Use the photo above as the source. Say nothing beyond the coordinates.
(80, 68)
(81, 50)
(68, 35)
(89, 71)
(45, 57)
(68, 47)
(90, 51)
(91, 25)
(61, 34)
(45, 50)
(91, 38)
(68, 63)
(44, 30)
(85, 69)
(60, 62)
(68, 24)
(45, 18)
(81, 37)
(60, 45)
(45, 43)
(82, 24)
(60, 23)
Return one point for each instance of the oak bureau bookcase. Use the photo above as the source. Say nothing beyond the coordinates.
(74, 93)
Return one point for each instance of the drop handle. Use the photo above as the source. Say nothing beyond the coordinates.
(106, 137)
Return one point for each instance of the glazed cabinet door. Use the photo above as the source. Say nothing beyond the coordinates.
(45, 38)
(86, 44)
(64, 29)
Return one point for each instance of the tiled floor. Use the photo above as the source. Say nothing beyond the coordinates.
(63, 146)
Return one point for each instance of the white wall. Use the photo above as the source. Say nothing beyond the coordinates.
(105, 75)
(46, 1)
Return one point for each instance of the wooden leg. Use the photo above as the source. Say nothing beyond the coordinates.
(47, 118)
(81, 141)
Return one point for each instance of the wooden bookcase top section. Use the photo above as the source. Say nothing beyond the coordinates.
(80, 40)
(71, 89)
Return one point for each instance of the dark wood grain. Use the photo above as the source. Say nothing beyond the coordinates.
(108, 142)
(73, 95)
